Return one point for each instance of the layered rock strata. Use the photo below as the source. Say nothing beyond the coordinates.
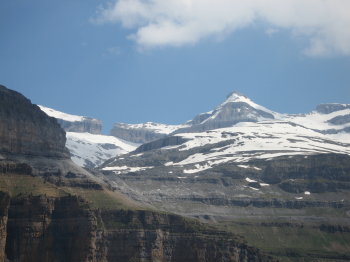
(40, 228)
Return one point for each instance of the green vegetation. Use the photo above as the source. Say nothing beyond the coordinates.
(23, 185)
(294, 242)
(102, 199)
(16, 185)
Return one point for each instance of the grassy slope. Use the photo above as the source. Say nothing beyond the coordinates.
(17, 185)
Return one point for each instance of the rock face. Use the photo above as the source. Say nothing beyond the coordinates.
(47, 229)
(64, 229)
(88, 125)
(25, 129)
(73, 123)
(149, 236)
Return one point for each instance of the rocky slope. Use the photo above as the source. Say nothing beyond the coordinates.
(74, 123)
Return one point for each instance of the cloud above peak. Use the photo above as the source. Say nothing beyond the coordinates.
(155, 23)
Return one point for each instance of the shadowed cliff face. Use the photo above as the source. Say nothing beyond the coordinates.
(25, 129)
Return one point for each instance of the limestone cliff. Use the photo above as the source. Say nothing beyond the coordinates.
(41, 228)
(141, 133)
(26, 130)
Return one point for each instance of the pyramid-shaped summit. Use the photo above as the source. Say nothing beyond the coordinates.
(236, 108)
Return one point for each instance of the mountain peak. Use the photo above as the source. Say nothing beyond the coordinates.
(237, 97)
(235, 94)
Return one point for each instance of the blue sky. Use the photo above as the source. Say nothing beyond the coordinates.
(135, 61)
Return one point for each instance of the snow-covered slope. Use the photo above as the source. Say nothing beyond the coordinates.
(250, 132)
(244, 142)
(74, 123)
(238, 130)
(61, 115)
(330, 123)
(87, 146)
(90, 150)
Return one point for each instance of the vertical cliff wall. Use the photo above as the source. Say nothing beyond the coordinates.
(40, 228)
(25, 129)
(47, 229)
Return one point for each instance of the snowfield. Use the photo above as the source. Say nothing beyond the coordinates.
(60, 115)
(91, 150)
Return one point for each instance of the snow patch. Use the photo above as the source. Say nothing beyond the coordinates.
(264, 184)
(126, 169)
(249, 180)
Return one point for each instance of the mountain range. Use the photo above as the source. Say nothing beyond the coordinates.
(53, 210)
(214, 188)
(245, 130)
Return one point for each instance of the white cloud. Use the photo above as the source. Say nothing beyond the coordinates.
(324, 23)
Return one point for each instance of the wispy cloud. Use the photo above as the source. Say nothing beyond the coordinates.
(324, 23)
